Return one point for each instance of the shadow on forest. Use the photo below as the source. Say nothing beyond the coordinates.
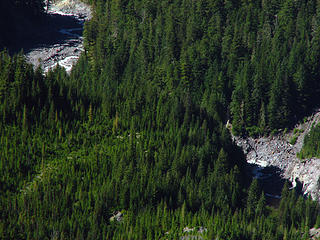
(43, 32)
(270, 180)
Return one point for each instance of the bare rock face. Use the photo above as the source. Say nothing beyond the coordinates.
(277, 151)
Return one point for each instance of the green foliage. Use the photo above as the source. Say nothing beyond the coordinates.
(252, 200)
(254, 131)
(293, 140)
(85, 159)
(311, 146)
(296, 134)
(138, 126)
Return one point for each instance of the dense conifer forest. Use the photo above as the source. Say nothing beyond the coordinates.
(138, 127)
(311, 146)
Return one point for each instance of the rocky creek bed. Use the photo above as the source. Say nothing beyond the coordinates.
(59, 40)
(273, 159)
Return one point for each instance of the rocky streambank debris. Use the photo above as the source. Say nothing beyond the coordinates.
(314, 233)
(189, 233)
(74, 8)
(61, 41)
(280, 152)
(118, 216)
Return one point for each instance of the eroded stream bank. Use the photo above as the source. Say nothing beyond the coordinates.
(60, 41)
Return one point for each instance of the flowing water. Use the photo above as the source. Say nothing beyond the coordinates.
(62, 42)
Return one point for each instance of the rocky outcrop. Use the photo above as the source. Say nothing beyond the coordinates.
(281, 150)
(314, 233)
(191, 233)
(118, 216)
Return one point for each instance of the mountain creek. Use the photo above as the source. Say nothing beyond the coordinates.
(273, 159)
(61, 42)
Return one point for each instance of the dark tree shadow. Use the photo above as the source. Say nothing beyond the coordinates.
(43, 32)
(270, 180)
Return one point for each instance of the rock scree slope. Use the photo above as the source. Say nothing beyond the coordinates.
(277, 151)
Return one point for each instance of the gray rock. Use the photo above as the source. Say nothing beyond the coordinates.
(278, 152)
(118, 216)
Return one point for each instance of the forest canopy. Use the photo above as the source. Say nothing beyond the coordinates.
(254, 62)
(137, 129)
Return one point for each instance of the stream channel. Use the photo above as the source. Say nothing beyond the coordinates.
(60, 40)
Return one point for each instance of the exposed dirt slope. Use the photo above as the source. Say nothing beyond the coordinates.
(277, 151)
